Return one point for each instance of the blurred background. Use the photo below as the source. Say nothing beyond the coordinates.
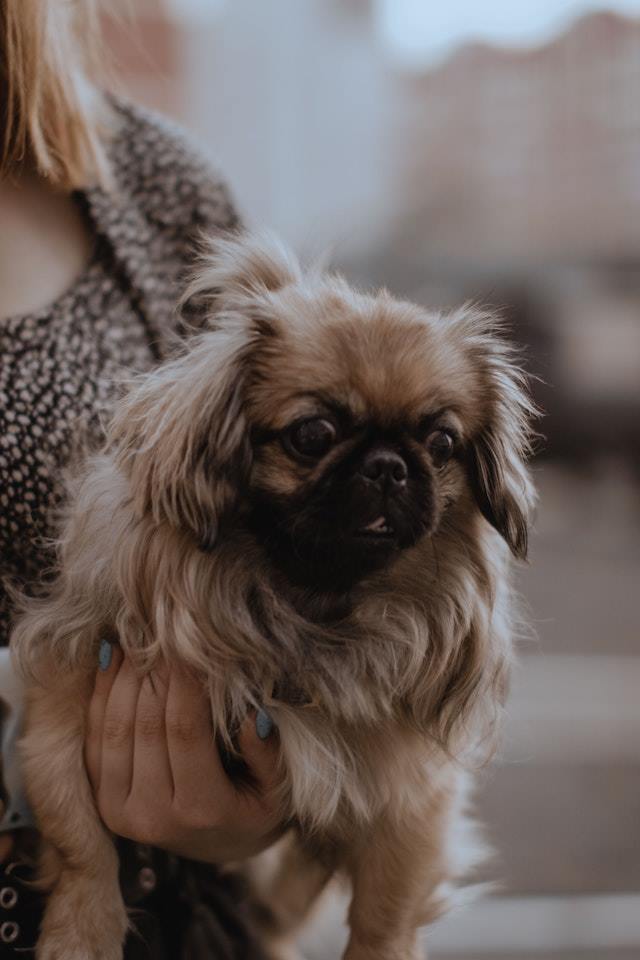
(489, 149)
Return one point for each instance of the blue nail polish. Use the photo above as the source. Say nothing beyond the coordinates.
(264, 724)
(104, 655)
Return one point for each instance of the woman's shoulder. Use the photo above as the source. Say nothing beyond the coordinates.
(160, 168)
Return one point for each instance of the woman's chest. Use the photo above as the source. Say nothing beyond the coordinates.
(59, 379)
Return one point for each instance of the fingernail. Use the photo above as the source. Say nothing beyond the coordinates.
(104, 655)
(264, 724)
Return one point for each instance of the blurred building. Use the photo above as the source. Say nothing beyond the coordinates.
(529, 155)
(497, 155)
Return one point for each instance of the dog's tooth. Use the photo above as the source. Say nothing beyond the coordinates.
(379, 524)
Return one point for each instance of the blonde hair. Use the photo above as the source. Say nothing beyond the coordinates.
(50, 113)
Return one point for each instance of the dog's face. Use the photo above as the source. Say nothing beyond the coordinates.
(359, 416)
(340, 428)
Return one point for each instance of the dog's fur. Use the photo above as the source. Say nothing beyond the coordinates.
(200, 536)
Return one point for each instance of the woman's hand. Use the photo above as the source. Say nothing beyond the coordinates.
(156, 772)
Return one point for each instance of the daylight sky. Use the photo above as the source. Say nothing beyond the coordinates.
(422, 32)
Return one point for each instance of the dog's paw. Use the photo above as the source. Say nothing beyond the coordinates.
(54, 948)
(49, 948)
(78, 927)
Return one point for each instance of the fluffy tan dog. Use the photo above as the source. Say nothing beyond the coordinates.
(311, 507)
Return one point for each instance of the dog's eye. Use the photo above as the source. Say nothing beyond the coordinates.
(440, 444)
(311, 438)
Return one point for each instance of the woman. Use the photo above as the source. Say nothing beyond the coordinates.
(99, 206)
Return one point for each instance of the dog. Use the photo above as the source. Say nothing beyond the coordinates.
(320, 492)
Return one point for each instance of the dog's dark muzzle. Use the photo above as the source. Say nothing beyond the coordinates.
(381, 501)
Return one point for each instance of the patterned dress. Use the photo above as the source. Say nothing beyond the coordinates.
(61, 370)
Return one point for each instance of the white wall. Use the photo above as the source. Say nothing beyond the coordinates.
(293, 100)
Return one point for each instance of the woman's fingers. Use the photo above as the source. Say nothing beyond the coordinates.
(203, 793)
(152, 783)
(259, 746)
(110, 660)
(116, 767)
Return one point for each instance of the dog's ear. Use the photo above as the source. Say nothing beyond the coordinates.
(498, 453)
(238, 271)
(501, 487)
(181, 435)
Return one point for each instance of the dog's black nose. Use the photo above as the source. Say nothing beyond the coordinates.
(384, 468)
